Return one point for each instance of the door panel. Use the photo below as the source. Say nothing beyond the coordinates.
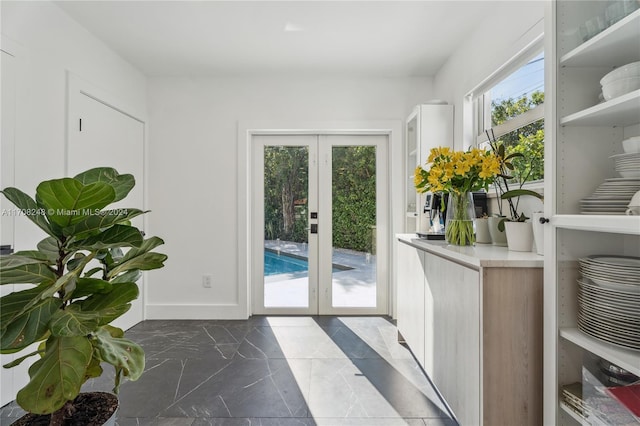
(353, 192)
(8, 387)
(319, 237)
(285, 250)
(107, 137)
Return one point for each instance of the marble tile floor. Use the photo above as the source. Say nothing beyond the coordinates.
(273, 371)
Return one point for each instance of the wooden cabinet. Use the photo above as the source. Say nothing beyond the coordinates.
(581, 136)
(482, 327)
(427, 127)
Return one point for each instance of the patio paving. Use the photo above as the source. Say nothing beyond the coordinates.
(354, 287)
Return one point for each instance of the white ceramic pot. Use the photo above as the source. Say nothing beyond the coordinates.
(498, 238)
(482, 231)
(538, 232)
(519, 236)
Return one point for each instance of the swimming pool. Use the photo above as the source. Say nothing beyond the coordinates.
(284, 263)
(275, 263)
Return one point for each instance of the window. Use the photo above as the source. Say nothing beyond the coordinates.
(510, 107)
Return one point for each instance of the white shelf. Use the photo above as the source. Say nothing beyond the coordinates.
(621, 111)
(575, 416)
(615, 46)
(629, 225)
(626, 358)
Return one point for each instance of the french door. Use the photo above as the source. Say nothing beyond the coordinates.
(319, 224)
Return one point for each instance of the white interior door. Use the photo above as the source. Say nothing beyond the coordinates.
(8, 387)
(319, 225)
(101, 135)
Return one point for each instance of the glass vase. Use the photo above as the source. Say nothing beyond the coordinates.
(459, 227)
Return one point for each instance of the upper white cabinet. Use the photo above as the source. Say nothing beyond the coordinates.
(582, 135)
(427, 127)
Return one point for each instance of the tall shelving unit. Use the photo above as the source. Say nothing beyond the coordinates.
(428, 126)
(582, 134)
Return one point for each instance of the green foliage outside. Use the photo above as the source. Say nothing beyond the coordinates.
(353, 188)
(354, 197)
(528, 140)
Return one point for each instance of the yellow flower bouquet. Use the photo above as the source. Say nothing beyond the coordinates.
(458, 173)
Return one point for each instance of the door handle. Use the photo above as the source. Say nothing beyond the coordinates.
(6, 249)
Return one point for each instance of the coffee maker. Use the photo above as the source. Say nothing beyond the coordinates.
(434, 211)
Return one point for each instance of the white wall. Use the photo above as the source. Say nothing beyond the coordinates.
(193, 185)
(46, 43)
(511, 27)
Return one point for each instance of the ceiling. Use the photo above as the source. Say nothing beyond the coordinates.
(211, 38)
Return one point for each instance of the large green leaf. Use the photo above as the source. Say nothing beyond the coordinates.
(87, 286)
(122, 184)
(28, 327)
(73, 322)
(36, 255)
(103, 220)
(14, 304)
(131, 276)
(34, 273)
(111, 305)
(28, 205)
(140, 258)
(116, 236)
(13, 261)
(49, 248)
(144, 262)
(146, 246)
(69, 201)
(121, 353)
(57, 377)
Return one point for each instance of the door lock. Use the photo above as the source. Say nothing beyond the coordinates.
(314, 228)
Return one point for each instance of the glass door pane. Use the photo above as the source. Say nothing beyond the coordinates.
(353, 189)
(286, 238)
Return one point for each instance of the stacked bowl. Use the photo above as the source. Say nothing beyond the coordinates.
(621, 80)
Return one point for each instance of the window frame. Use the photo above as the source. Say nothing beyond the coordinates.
(481, 103)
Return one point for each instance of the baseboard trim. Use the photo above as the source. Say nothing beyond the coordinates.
(212, 312)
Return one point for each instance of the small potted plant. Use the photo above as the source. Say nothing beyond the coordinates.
(83, 276)
(516, 224)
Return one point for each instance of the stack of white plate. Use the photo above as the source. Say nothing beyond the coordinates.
(628, 165)
(609, 299)
(611, 197)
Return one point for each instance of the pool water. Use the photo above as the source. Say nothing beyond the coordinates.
(283, 264)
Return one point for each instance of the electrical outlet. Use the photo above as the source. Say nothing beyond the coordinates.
(206, 281)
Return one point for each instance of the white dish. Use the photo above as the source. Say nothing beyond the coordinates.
(626, 71)
(618, 261)
(596, 213)
(631, 145)
(635, 173)
(620, 87)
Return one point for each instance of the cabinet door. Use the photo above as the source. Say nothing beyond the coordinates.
(410, 307)
(452, 356)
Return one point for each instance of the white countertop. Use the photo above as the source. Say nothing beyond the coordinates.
(480, 255)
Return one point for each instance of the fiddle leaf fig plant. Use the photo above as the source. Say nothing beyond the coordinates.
(83, 276)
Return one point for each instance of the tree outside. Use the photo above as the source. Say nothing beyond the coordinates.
(527, 140)
(353, 190)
